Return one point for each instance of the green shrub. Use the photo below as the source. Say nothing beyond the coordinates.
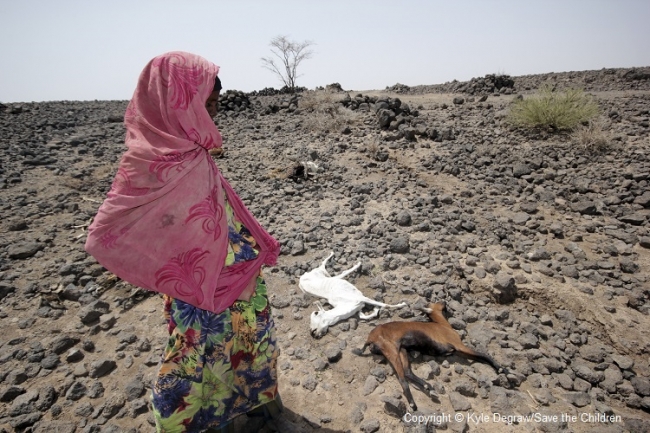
(553, 110)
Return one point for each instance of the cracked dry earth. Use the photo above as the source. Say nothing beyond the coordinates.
(539, 248)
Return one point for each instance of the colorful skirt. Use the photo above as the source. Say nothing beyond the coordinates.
(215, 366)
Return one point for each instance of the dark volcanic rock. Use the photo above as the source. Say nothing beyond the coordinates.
(6, 289)
(24, 250)
(399, 245)
(505, 289)
(584, 207)
(635, 219)
(102, 368)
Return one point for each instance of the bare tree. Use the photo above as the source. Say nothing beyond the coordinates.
(291, 54)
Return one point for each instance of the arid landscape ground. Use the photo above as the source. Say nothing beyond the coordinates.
(538, 242)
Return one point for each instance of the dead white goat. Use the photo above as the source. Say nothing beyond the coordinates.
(310, 168)
(342, 295)
(302, 171)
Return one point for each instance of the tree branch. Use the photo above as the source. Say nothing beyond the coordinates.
(291, 54)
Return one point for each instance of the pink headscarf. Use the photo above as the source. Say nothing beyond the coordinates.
(163, 225)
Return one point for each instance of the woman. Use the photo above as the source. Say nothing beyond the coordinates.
(171, 223)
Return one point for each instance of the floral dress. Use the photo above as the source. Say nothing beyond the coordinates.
(217, 366)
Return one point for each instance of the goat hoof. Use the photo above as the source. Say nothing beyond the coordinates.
(413, 407)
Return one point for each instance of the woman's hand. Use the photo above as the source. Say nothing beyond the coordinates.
(248, 292)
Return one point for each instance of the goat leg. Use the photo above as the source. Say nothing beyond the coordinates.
(481, 357)
(348, 272)
(393, 356)
(408, 373)
(372, 315)
(322, 265)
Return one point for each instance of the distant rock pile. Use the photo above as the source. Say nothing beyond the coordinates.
(270, 91)
(398, 88)
(391, 115)
(600, 80)
(234, 100)
(489, 84)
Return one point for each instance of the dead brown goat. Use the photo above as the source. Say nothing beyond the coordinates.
(394, 339)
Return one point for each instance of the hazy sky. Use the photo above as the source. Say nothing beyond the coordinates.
(92, 49)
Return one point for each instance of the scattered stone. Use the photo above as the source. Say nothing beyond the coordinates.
(465, 388)
(584, 207)
(578, 399)
(505, 290)
(74, 355)
(333, 354)
(64, 343)
(641, 386)
(635, 219)
(624, 362)
(90, 314)
(309, 383)
(24, 250)
(644, 241)
(102, 368)
(519, 170)
(280, 302)
(113, 405)
(628, 266)
(370, 426)
(370, 385)
(586, 373)
(298, 248)
(399, 245)
(76, 391)
(394, 407)
(19, 423)
(134, 389)
(458, 402)
(403, 218)
(10, 393)
(5, 290)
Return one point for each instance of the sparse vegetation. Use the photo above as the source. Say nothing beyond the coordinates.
(291, 54)
(373, 150)
(592, 138)
(553, 110)
(327, 113)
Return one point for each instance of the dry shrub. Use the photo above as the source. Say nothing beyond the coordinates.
(310, 101)
(592, 138)
(73, 183)
(553, 110)
(373, 150)
(279, 173)
(325, 112)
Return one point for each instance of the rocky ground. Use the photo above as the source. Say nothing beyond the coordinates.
(539, 246)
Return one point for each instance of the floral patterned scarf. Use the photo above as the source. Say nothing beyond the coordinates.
(163, 226)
